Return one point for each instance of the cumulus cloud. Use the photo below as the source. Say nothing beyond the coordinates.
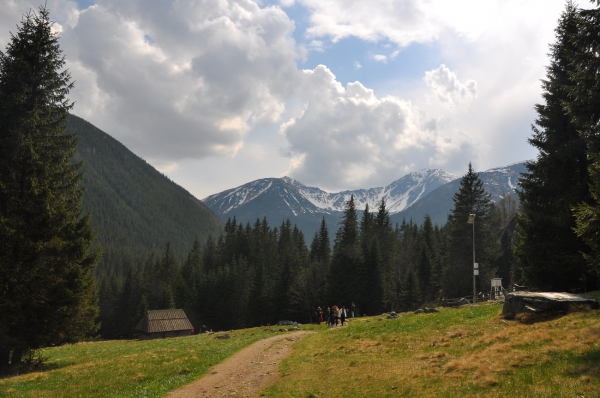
(348, 137)
(180, 79)
(448, 89)
(182, 82)
(412, 21)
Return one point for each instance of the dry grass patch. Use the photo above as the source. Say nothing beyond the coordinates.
(467, 352)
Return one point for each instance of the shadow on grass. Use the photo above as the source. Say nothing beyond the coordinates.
(586, 364)
(23, 369)
(528, 318)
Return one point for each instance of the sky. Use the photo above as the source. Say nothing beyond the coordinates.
(338, 94)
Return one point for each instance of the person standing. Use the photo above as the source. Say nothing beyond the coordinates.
(352, 309)
(343, 315)
(336, 314)
(328, 316)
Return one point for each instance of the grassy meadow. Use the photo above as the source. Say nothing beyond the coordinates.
(465, 352)
(127, 368)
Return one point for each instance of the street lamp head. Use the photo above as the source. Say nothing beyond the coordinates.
(471, 219)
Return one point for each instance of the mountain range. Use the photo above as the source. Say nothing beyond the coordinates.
(136, 209)
(413, 196)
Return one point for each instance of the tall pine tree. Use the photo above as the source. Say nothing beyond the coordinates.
(471, 198)
(584, 108)
(47, 290)
(547, 248)
(343, 279)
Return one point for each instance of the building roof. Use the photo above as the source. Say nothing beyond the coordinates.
(157, 321)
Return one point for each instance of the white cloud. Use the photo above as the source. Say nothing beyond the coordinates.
(212, 71)
(316, 45)
(447, 88)
(413, 21)
(185, 83)
(348, 137)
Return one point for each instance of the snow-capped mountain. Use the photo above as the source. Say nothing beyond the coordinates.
(438, 204)
(301, 199)
(410, 197)
(398, 195)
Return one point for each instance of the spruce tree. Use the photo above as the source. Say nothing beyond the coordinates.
(471, 198)
(343, 281)
(410, 296)
(320, 248)
(47, 290)
(547, 248)
(584, 107)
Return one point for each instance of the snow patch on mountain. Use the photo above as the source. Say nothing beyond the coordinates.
(398, 195)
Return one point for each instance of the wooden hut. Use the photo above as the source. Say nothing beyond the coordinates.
(159, 324)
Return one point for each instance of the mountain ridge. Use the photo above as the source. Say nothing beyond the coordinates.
(399, 195)
(409, 197)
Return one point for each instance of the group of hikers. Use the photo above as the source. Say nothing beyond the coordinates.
(335, 316)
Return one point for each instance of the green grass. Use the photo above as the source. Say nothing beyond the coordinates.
(465, 352)
(127, 368)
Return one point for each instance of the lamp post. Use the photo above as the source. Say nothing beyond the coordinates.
(471, 220)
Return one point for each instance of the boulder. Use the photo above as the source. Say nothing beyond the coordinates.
(392, 315)
(223, 336)
(538, 302)
(454, 303)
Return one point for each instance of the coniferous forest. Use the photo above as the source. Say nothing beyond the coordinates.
(258, 274)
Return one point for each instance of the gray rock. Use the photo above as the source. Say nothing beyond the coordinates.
(392, 315)
(223, 336)
(519, 302)
(454, 303)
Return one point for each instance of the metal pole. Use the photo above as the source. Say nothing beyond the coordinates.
(474, 288)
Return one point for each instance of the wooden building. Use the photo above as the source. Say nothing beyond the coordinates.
(159, 324)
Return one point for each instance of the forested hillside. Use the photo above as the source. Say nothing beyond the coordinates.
(256, 274)
(135, 209)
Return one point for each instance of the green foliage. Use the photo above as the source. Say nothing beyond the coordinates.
(410, 298)
(47, 290)
(343, 280)
(134, 208)
(458, 273)
(582, 106)
(547, 248)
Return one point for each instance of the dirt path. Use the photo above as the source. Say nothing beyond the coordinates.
(244, 374)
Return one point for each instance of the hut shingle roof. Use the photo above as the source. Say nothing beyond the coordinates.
(157, 321)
